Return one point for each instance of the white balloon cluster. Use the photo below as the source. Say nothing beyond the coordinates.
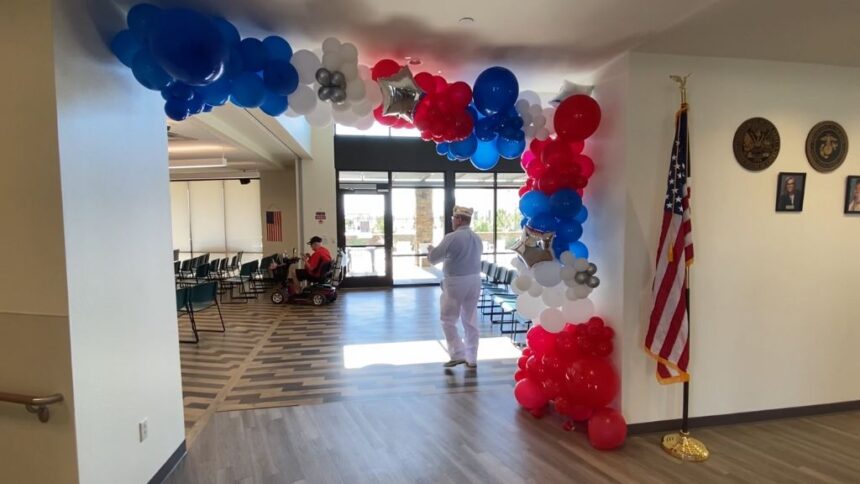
(362, 92)
(548, 293)
(537, 120)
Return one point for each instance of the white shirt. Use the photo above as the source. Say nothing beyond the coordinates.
(461, 252)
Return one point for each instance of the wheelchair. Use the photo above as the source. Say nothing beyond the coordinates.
(320, 291)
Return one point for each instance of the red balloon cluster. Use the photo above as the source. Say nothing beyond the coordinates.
(442, 114)
(387, 68)
(571, 370)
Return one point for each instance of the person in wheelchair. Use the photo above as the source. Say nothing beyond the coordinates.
(316, 265)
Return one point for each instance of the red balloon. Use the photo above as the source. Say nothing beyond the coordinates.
(384, 68)
(580, 192)
(581, 413)
(529, 394)
(552, 388)
(520, 374)
(556, 153)
(386, 120)
(577, 118)
(524, 189)
(553, 365)
(527, 158)
(577, 146)
(536, 169)
(536, 146)
(441, 83)
(521, 363)
(460, 94)
(592, 382)
(566, 343)
(425, 82)
(527, 351)
(540, 340)
(607, 429)
(549, 182)
(586, 165)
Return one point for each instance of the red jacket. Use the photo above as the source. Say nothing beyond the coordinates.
(316, 261)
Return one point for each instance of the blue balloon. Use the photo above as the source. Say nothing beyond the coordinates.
(248, 90)
(579, 250)
(274, 104)
(234, 66)
(188, 46)
(543, 222)
(568, 230)
(559, 246)
(465, 148)
(148, 72)
(442, 148)
(176, 110)
(582, 216)
(207, 108)
(473, 113)
(512, 133)
(217, 93)
(451, 156)
(141, 18)
(496, 90)
(254, 54)
(125, 46)
(177, 90)
(510, 149)
(534, 202)
(485, 156)
(565, 203)
(278, 48)
(281, 77)
(523, 222)
(228, 31)
(485, 129)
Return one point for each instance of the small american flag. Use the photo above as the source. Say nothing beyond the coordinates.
(667, 339)
(273, 227)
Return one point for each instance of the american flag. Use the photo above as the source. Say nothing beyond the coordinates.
(667, 340)
(273, 227)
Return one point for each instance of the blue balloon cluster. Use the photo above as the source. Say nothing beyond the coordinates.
(498, 130)
(199, 62)
(562, 213)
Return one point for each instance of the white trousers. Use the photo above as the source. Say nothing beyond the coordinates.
(460, 301)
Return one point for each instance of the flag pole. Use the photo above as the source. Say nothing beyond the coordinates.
(680, 445)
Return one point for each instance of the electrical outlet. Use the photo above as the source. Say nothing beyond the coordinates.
(143, 429)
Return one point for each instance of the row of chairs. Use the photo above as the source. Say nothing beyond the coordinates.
(192, 300)
(499, 302)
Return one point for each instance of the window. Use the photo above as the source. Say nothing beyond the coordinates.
(496, 218)
(377, 129)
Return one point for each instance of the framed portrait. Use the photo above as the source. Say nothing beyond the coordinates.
(852, 195)
(789, 192)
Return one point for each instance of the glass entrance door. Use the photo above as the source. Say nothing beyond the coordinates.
(365, 232)
(418, 217)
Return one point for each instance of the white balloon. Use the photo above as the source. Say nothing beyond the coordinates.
(530, 96)
(570, 294)
(582, 291)
(580, 264)
(307, 64)
(350, 72)
(567, 258)
(331, 44)
(530, 131)
(522, 106)
(364, 71)
(355, 91)
(362, 108)
(365, 123)
(578, 311)
(523, 282)
(552, 320)
(517, 290)
(320, 116)
(344, 117)
(349, 52)
(570, 282)
(567, 272)
(332, 61)
(547, 273)
(535, 110)
(539, 121)
(529, 307)
(535, 290)
(290, 113)
(374, 95)
(542, 134)
(549, 116)
(527, 118)
(553, 296)
(303, 100)
(518, 264)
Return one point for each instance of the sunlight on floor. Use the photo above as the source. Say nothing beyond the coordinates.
(417, 352)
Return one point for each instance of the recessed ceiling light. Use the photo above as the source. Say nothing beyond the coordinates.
(467, 20)
(414, 61)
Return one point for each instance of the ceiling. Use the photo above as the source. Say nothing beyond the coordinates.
(547, 41)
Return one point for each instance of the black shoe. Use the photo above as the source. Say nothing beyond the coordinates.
(472, 366)
(452, 363)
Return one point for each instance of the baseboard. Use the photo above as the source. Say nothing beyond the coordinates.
(171, 463)
(744, 417)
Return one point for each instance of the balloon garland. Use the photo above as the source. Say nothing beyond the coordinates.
(199, 62)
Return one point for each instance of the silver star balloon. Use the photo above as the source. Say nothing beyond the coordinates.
(400, 94)
(534, 246)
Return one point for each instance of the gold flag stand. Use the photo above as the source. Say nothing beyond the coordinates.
(680, 445)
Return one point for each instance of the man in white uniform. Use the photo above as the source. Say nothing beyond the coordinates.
(461, 253)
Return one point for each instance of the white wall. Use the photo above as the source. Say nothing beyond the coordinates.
(116, 218)
(317, 188)
(773, 297)
(278, 192)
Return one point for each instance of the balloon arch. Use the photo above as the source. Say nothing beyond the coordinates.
(199, 62)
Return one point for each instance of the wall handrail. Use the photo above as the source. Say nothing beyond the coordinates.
(33, 404)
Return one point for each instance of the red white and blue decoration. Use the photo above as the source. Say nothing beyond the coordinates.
(199, 62)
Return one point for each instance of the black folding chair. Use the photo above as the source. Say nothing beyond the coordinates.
(204, 296)
(183, 306)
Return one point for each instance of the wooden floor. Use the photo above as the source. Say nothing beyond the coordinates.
(484, 438)
(275, 356)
